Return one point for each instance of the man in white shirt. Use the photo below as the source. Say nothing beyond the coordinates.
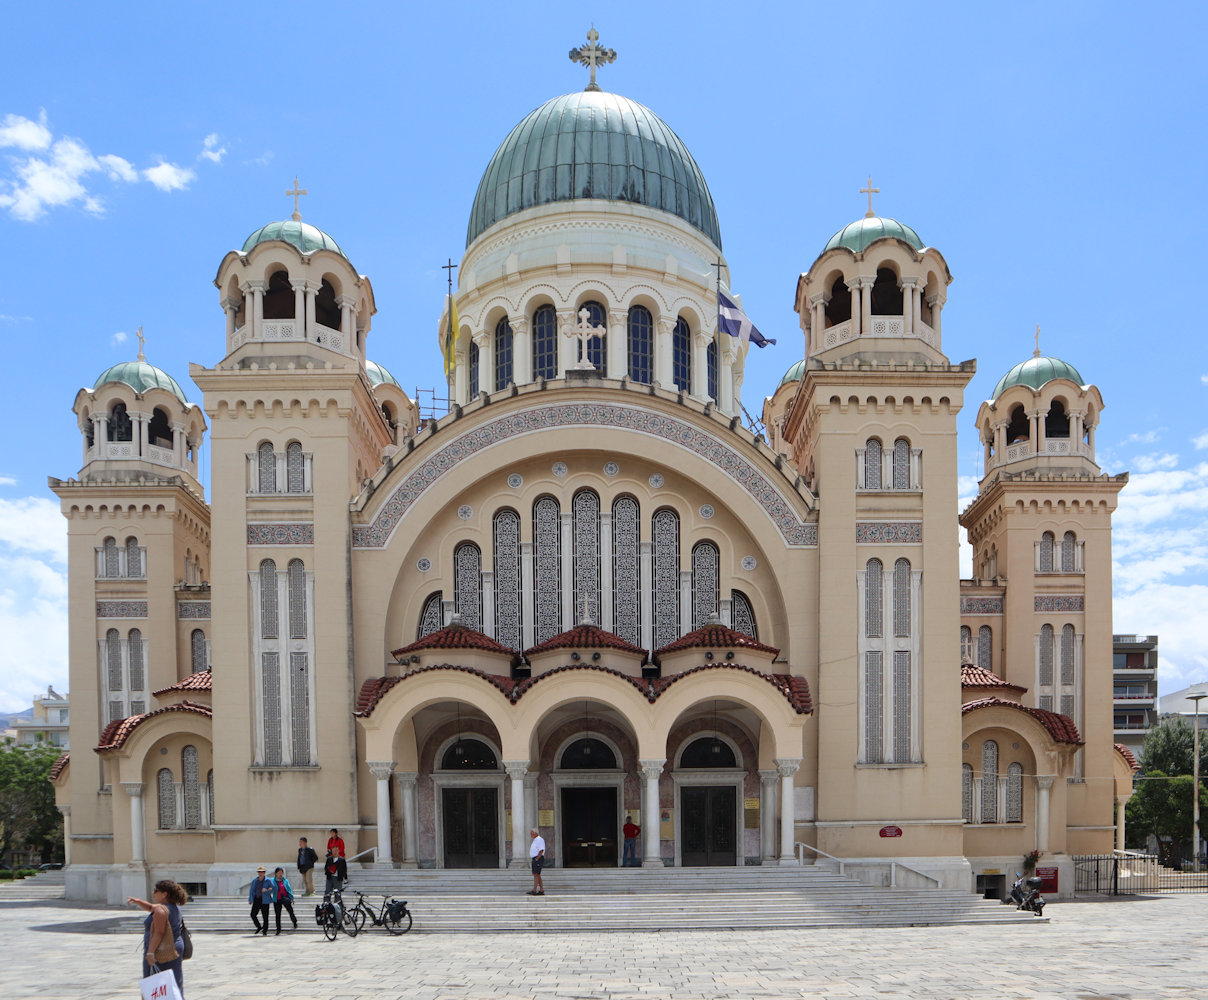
(537, 859)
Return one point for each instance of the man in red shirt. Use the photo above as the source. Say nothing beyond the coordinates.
(335, 843)
(631, 831)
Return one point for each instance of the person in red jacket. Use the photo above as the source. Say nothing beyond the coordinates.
(335, 843)
(630, 830)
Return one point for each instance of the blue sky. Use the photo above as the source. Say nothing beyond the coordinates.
(1053, 153)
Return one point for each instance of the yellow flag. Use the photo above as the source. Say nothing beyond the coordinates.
(450, 338)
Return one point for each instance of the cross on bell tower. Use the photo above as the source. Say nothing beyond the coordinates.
(870, 191)
(592, 55)
(295, 193)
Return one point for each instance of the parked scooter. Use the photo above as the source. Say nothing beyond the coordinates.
(1025, 892)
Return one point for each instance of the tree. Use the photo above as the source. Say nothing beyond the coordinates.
(28, 814)
(1169, 747)
(1161, 807)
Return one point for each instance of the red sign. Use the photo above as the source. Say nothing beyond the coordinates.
(891, 831)
(1050, 879)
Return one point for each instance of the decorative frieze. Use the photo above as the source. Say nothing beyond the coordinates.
(981, 605)
(280, 534)
(122, 609)
(193, 611)
(1059, 602)
(889, 532)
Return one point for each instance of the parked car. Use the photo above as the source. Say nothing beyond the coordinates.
(51, 866)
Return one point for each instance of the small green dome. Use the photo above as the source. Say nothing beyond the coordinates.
(295, 232)
(593, 144)
(141, 376)
(377, 375)
(1035, 372)
(794, 374)
(862, 232)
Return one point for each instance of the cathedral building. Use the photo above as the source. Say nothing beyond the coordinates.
(590, 591)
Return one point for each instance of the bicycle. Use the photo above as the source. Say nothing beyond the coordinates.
(333, 916)
(393, 914)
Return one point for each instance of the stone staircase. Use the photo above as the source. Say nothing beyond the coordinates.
(44, 885)
(632, 899)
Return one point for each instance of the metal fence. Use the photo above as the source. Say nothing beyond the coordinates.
(1126, 873)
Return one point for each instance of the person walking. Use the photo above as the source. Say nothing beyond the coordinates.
(336, 870)
(261, 894)
(162, 930)
(537, 861)
(283, 897)
(335, 843)
(307, 859)
(630, 830)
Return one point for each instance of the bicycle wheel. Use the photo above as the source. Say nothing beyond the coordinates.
(349, 923)
(401, 925)
(330, 927)
(358, 914)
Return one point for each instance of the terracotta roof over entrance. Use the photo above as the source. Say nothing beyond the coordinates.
(455, 636)
(120, 730)
(1124, 752)
(1060, 727)
(715, 636)
(200, 681)
(586, 636)
(972, 677)
(57, 767)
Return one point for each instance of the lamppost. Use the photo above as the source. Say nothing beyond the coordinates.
(1195, 787)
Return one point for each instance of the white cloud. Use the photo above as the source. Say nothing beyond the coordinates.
(1204, 379)
(1171, 612)
(25, 134)
(118, 169)
(168, 176)
(118, 338)
(7, 481)
(1151, 463)
(1201, 442)
(265, 158)
(1148, 437)
(49, 183)
(212, 151)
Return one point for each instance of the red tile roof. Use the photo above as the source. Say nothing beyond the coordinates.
(1127, 754)
(586, 637)
(374, 689)
(715, 636)
(118, 731)
(199, 681)
(972, 676)
(795, 689)
(455, 636)
(1060, 727)
(57, 767)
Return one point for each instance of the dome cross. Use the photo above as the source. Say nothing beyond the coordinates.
(142, 342)
(592, 55)
(870, 191)
(295, 194)
(1036, 353)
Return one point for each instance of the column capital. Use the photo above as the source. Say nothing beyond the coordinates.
(231, 304)
(297, 284)
(518, 325)
(312, 286)
(908, 281)
(1045, 781)
(381, 769)
(618, 319)
(65, 810)
(817, 299)
(768, 776)
(862, 281)
(133, 788)
(651, 769)
(346, 300)
(786, 767)
(406, 779)
(516, 769)
(255, 285)
(483, 337)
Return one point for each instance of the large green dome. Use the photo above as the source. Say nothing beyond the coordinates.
(1035, 372)
(378, 374)
(794, 374)
(141, 376)
(293, 231)
(862, 232)
(593, 144)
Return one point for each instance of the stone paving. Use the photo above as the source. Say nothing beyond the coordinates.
(1140, 949)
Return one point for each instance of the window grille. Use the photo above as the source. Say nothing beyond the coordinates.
(113, 565)
(1046, 552)
(270, 670)
(967, 792)
(641, 344)
(1046, 655)
(705, 585)
(989, 790)
(711, 367)
(473, 352)
(268, 599)
(1015, 793)
(666, 577)
(742, 615)
(299, 706)
(113, 661)
(901, 706)
(197, 648)
(966, 645)
(116, 711)
(503, 356)
(134, 558)
(1067, 654)
(586, 562)
(1069, 545)
(547, 566)
(297, 599)
(167, 799)
(901, 599)
(872, 464)
(137, 707)
(985, 647)
(267, 469)
(192, 789)
(1046, 702)
(467, 584)
(295, 472)
(210, 797)
(901, 464)
(873, 679)
(1067, 705)
(137, 661)
(681, 355)
(597, 347)
(432, 618)
(873, 598)
(545, 343)
(626, 571)
(508, 623)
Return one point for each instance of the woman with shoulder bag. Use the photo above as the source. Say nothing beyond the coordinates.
(162, 938)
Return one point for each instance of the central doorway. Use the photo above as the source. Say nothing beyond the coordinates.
(471, 830)
(589, 827)
(707, 825)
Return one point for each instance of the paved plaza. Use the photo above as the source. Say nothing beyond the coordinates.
(1139, 949)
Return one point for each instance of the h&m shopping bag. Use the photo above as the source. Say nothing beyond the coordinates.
(159, 986)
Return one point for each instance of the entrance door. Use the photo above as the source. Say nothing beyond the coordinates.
(471, 828)
(707, 834)
(589, 827)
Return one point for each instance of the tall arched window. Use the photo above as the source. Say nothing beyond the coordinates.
(197, 650)
(967, 792)
(586, 554)
(270, 665)
(166, 787)
(903, 673)
(134, 558)
(901, 464)
(742, 615)
(268, 599)
(626, 570)
(159, 429)
(1067, 655)
(886, 294)
(297, 599)
(545, 344)
(641, 344)
(873, 598)
(295, 473)
(872, 464)
(1069, 549)
(1046, 655)
(431, 618)
(508, 621)
(120, 427)
(547, 568)
(706, 563)
(473, 352)
(138, 670)
(299, 707)
(467, 584)
(901, 598)
(989, 789)
(1015, 793)
(985, 647)
(681, 355)
(711, 367)
(113, 672)
(1046, 552)
(112, 561)
(267, 468)
(966, 645)
(192, 787)
(874, 662)
(665, 531)
(597, 347)
(503, 354)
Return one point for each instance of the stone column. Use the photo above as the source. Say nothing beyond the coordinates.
(526, 592)
(909, 292)
(229, 306)
(646, 559)
(937, 304)
(1044, 784)
(348, 323)
(66, 811)
(517, 771)
(853, 286)
(102, 431)
(786, 767)
(485, 340)
(616, 358)
(685, 601)
(813, 339)
(178, 444)
(866, 283)
(522, 352)
(700, 365)
(407, 781)
(487, 625)
(767, 816)
(530, 800)
(1034, 432)
(568, 347)
(138, 837)
(725, 378)
(381, 770)
(652, 770)
(570, 614)
(461, 374)
(256, 286)
(606, 611)
(299, 287)
(664, 367)
(312, 289)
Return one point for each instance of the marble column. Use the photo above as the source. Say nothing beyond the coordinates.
(568, 347)
(1044, 785)
(767, 816)
(866, 283)
(485, 340)
(1121, 802)
(299, 287)
(530, 800)
(616, 360)
(606, 612)
(526, 593)
(646, 558)
(522, 353)
(256, 287)
(909, 291)
(229, 306)
(570, 613)
(138, 836)
(700, 365)
(407, 781)
(517, 771)
(786, 767)
(685, 582)
(652, 770)
(312, 289)
(664, 367)
(381, 770)
(66, 811)
(348, 324)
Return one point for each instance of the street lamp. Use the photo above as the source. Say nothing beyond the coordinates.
(1195, 786)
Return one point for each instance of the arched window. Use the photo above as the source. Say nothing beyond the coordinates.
(192, 789)
(137, 665)
(112, 562)
(1046, 552)
(431, 618)
(587, 752)
(872, 464)
(469, 754)
(681, 355)
(267, 463)
(597, 347)
(901, 464)
(838, 306)
(742, 615)
(503, 354)
(626, 571)
(967, 792)
(508, 620)
(873, 599)
(120, 427)
(473, 370)
(665, 531)
(113, 671)
(586, 554)
(641, 344)
(706, 563)
(547, 568)
(901, 598)
(327, 312)
(708, 751)
(299, 707)
(167, 799)
(159, 430)
(886, 294)
(268, 599)
(1057, 421)
(297, 599)
(1015, 793)
(545, 344)
(295, 472)
(1069, 552)
(966, 645)
(1020, 427)
(197, 650)
(277, 301)
(1046, 655)
(989, 789)
(985, 647)
(467, 584)
(711, 367)
(1067, 655)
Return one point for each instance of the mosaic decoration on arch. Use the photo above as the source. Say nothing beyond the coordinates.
(561, 416)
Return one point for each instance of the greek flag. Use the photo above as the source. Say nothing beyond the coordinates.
(732, 320)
